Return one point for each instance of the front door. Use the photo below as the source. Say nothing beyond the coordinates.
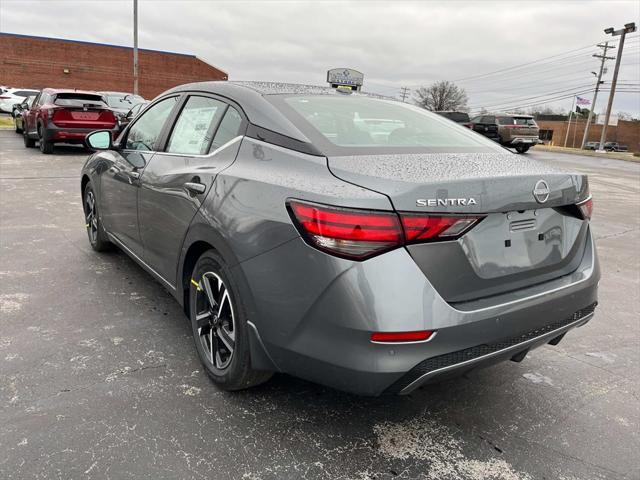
(121, 180)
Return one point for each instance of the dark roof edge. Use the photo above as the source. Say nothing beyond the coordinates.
(83, 42)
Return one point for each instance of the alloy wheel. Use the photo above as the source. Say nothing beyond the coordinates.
(215, 320)
(91, 219)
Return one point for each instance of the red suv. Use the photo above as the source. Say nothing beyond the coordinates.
(65, 116)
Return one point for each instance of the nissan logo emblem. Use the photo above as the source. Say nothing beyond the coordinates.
(541, 191)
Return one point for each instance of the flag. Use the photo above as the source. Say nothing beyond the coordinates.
(582, 101)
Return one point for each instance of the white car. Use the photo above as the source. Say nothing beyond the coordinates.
(13, 96)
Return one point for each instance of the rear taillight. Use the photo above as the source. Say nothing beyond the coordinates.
(359, 234)
(586, 208)
(4, 97)
(419, 227)
(401, 337)
(350, 233)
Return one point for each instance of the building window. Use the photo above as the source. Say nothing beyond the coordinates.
(546, 135)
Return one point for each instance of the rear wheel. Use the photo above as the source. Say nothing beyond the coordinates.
(18, 129)
(97, 235)
(45, 146)
(28, 142)
(522, 148)
(219, 325)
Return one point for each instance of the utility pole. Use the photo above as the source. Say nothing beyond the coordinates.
(628, 28)
(404, 92)
(135, 47)
(602, 58)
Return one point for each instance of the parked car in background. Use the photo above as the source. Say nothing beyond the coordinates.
(459, 117)
(131, 114)
(615, 147)
(20, 111)
(592, 145)
(510, 130)
(14, 96)
(66, 116)
(121, 103)
(298, 242)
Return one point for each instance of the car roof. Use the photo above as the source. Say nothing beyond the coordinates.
(522, 115)
(68, 90)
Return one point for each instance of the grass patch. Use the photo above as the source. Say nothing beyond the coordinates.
(6, 121)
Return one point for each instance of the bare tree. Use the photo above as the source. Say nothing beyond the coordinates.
(442, 95)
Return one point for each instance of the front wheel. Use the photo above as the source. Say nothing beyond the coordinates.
(522, 148)
(28, 142)
(97, 235)
(219, 325)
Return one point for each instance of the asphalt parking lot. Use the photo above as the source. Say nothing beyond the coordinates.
(99, 377)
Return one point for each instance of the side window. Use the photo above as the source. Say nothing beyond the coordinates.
(194, 128)
(228, 129)
(489, 119)
(144, 134)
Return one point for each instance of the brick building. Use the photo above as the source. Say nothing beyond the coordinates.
(38, 62)
(554, 130)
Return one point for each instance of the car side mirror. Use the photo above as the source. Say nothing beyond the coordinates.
(99, 140)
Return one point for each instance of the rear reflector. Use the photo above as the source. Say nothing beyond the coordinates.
(586, 208)
(399, 337)
(359, 234)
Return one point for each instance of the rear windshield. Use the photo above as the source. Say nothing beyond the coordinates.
(358, 121)
(123, 100)
(79, 100)
(455, 116)
(517, 121)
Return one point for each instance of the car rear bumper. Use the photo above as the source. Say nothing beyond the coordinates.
(523, 141)
(53, 133)
(315, 320)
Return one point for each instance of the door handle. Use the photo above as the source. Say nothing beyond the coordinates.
(195, 187)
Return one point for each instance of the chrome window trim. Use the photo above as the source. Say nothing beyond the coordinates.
(205, 155)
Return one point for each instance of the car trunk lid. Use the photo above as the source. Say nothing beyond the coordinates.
(520, 242)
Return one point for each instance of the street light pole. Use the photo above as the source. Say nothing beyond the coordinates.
(135, 47)
(628, 28)
(603, 58)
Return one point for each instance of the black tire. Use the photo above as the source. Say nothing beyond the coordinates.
(18, 129)
(234, 371)
(522, 148)
(45, 146)
(97, 236)
(28, 142)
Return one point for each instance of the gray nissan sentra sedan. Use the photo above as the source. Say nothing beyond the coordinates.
(344, 238)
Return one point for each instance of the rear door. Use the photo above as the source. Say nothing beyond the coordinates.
(120, 181)
(203, 141)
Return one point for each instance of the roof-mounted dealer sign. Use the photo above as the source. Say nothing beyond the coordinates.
(345, 78)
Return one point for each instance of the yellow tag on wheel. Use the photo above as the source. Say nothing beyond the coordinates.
(196, 284)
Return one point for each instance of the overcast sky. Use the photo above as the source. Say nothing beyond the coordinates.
(394, 43)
